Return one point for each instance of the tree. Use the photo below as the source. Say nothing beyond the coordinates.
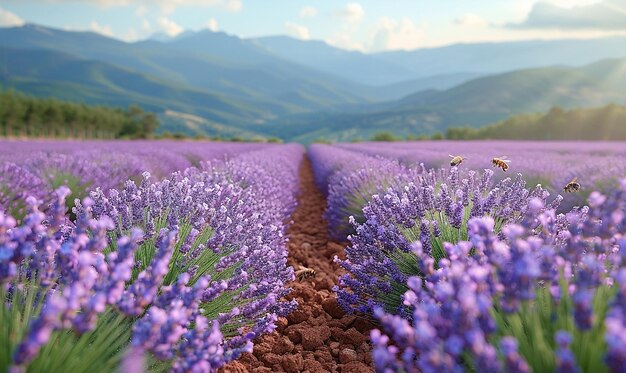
(384, 136)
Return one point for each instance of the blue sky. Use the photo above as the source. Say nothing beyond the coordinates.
(367, 25)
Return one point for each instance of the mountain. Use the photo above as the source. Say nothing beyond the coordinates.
(192, 125)
(490, 58)
(399, 90)
(300, 90)
(214, 62)
(399, 73)
(67, 77)
(478, 102)
(353, 65)
(163, 37)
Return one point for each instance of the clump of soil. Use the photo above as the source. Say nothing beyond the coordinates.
(318, 336)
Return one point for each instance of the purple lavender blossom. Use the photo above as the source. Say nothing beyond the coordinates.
(503, 285)
(427, 210)
(213, 252)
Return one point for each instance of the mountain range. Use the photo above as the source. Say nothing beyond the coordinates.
(212, 83)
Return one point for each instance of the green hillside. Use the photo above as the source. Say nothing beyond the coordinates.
(53, 74)
(605, 123)
(212, 62)
(475, 103)
(218, 84)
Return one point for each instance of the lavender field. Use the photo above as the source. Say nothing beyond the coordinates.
(359, 186)
(176, 250)
(473, 268)
(139, 256)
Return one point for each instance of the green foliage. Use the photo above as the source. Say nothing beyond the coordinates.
(26, 116)
(384, 136)
(321, 140)
(536, 323)
(604, 123)
(99, 350)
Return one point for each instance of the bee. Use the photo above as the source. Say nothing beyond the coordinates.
(303, 273)
(572, 186)
(501, 162)
(456, 160)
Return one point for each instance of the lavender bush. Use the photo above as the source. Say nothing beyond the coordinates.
(432, 209)
(188, 292)
(350, 180)
(37, 168)
(597, 165)
(466, 271)
(545, 295)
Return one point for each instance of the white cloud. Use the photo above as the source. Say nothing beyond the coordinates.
(145, 24)
(100, 29)
(297, 31)
(212, 25)
(598, 15)
(352, 12)
(345, 41)
(391, 34)
(141, 11)
(471, 20)
(573, 3)
(308, 12)
(169, 27)
(8, 19)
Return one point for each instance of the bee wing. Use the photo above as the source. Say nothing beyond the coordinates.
(302, 268)
(574, 180)
(451, 155)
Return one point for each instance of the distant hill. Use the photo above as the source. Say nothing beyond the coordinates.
(193, 125)
(353, 65)
(475, 103)
(214, 62)
(497, 57)
(60, 75)
(604, 123)
(391, 81)
(386, 69)
(302, 90)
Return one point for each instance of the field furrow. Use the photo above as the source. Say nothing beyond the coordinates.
(318, 336)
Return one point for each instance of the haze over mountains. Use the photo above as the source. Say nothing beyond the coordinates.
(212, 83)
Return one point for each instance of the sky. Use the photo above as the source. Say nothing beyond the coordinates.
(365, 25)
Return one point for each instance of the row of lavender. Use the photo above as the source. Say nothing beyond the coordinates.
(465, 270)
(37, 168)
(175, 274)
(596, 165)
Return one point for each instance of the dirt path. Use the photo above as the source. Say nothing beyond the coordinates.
(318, 337)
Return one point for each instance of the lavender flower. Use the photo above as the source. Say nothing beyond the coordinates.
(427, 210)
(501, 287)
(212, 252)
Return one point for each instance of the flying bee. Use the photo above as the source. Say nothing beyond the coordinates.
(501, 162)
(572, 186)
(303, 273)
(456, 160)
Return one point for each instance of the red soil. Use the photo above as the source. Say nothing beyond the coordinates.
(318, 336)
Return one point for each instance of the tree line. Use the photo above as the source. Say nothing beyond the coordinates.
(594, 124)
(27, 116)
(604, 123)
